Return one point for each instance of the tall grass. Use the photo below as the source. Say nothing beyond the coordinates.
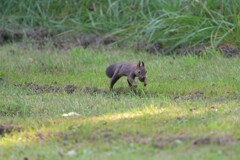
(170, 22)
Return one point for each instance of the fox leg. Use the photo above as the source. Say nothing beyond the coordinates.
(114, 78)
(131, 82)
(113, 81)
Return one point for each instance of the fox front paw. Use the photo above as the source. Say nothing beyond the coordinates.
(134, 85)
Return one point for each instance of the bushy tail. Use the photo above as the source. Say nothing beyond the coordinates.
(110, 70)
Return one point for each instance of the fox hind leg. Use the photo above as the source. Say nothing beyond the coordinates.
(129, 83)
(113, 81)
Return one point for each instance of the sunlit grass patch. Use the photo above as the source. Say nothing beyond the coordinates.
(189, 119)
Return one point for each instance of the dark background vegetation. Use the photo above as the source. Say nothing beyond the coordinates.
(155, 26)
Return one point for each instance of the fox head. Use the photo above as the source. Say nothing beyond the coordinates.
(141, 72)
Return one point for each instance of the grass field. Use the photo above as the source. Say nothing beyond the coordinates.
(189, 110)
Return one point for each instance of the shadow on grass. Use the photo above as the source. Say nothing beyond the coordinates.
(35, 88)
(71, 88)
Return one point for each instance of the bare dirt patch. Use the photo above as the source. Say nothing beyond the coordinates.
(43, 136)
(68, 41)
(93, 90)
(106, 134)
(229, 50)
(65, 41)
(48, 88)
(161, 141)
(40, 88)
(36, 35)
(8, 128)
(143, 140)
(133, 92)
(153, 48)
(191, 96)
(71, 88)
(186, 49)
(41, 37)
(221, 140)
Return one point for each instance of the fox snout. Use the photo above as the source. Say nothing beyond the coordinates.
(143, 79)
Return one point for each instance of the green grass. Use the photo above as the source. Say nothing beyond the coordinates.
(188, 98)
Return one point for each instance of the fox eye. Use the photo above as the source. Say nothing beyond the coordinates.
(139, 72)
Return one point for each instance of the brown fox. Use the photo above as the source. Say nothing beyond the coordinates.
(116, 71)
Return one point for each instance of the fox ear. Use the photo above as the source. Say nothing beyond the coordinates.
(139, 64)
(142, 63)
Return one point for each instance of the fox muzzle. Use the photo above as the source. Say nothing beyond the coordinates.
(144, 80)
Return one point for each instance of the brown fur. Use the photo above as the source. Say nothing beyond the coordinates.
(116, 71)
